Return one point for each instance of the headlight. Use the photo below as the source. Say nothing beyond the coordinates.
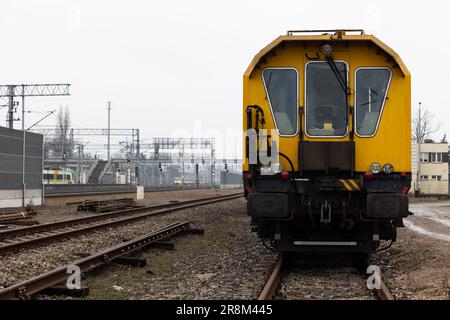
(375, 168)
(327, 50)
(388, 168)
(277, 168)
(270, 170)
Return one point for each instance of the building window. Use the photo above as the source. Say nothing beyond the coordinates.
(436, 157)
(424, 178)
(424, 157)
(431, 157)
(372, 85)
(326, 100)
(436, 178)
(281, 86)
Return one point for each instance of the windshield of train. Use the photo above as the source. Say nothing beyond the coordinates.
(326, 102)
(282, 92)
(371, 94)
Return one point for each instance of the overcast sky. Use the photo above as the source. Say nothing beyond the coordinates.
(170, 66)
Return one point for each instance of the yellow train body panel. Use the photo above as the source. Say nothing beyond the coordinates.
(392, 140)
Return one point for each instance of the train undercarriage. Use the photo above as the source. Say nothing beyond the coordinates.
(327, 213)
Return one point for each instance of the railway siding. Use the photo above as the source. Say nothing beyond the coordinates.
(24, 289)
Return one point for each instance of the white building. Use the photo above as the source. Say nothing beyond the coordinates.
(432, 169)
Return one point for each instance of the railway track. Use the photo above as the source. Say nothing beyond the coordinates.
(25, 289)
(16, 239)
(269, 289)
(106, 191)
(273, 282)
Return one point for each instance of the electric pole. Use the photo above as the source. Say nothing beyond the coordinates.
(196, 175)
(109, 130)
(11, 107)
(24, 186)
(79, 162)
(418, 141)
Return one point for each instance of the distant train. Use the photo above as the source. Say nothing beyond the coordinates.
(337, 107)
(58, 176)
(188, 180)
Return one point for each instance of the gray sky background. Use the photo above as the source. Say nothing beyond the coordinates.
(177, 65)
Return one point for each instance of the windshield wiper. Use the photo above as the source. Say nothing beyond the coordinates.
(365, 104)
(341, 80)
(374, 92)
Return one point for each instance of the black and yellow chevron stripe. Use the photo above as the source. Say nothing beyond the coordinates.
(351, 185)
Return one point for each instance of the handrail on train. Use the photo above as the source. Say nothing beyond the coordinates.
(335, 31)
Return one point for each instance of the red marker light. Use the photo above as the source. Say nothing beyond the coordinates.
(249, 176)
(405, 190)
(403, 174)
(285, 175)
(368, 176)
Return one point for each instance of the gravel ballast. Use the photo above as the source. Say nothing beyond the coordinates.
(230, 262)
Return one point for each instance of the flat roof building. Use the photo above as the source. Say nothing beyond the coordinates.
(430, 168)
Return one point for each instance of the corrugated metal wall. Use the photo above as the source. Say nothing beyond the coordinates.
(11, 160)
(228, 178)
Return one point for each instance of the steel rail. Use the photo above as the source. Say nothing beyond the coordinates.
(71, 222)
(384, 293)
(24, 289)
(273, 282)
(87, 194)
(268, 292)
(46, 238)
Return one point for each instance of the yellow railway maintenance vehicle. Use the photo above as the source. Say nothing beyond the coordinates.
(337, 109)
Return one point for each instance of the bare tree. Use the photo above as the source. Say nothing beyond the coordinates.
(63, 144)
(423, 126)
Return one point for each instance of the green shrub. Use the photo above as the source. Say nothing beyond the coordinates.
(29, 207)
